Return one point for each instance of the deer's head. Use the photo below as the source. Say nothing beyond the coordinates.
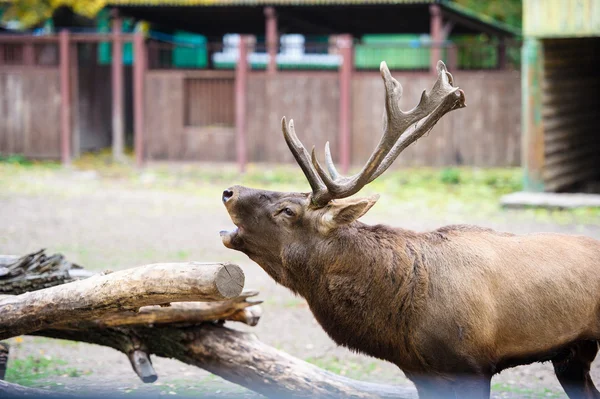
(270, 224)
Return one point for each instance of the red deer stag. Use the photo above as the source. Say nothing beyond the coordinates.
(451, 307)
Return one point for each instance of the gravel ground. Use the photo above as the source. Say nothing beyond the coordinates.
(108, 224)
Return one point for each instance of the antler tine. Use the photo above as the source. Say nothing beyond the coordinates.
(303, 159)
(441, 99)
(451, 98)
(329, 162)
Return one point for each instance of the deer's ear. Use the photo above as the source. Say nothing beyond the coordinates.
(340, 212)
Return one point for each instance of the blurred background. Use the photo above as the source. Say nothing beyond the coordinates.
(122, 121)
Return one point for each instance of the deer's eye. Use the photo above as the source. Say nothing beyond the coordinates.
(288, 212)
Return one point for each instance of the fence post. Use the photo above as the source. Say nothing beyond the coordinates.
(435, 27)
(345, 79)
(271, 38)
(502, 53)
(241, 76)
(139, 75)
(117, 90)
(65, 97)
(28, 52)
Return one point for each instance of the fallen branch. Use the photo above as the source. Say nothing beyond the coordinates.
(189, 313)
(237, 357)
(37, 271)
(129, 289)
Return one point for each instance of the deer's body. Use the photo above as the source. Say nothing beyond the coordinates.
(450, 307)
(457, 300)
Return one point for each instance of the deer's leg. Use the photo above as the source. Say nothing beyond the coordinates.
(473, 386)
(433, 387)
(573, 371)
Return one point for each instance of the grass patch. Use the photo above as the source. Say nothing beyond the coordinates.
(33, 370)
(453, 194)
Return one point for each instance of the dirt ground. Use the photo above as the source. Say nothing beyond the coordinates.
(107, 223)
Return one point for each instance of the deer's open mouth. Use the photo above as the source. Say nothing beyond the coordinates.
(230, 238)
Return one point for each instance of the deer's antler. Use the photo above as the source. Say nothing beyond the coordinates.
(400, 129)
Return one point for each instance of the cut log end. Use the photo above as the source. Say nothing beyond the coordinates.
(230, 280)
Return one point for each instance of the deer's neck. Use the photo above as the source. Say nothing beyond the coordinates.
(364, 285)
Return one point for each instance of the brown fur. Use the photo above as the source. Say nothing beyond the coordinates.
(450, 307)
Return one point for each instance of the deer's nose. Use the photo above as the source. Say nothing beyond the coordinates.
(227, 194)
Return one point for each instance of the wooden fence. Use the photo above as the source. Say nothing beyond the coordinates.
(60, 103)
(486, 133)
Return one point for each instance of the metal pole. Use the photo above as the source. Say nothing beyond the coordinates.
(65, 98)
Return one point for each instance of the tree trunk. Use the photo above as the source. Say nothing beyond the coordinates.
(236, 356)
(129, 289)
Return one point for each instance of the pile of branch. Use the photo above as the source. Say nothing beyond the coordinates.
(174, 310)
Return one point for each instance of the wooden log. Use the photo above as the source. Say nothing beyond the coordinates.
(129, 289)
(238, 357)
(189, 313)
(37, 271)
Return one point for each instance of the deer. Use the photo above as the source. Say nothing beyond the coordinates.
(450, 307)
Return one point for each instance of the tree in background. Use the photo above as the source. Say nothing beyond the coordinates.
(31, 13)
(507, 11)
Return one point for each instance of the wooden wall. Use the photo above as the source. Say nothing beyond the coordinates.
(171, 132)
(30, 112)
(311, 99)
(570, 119)
(486, 133)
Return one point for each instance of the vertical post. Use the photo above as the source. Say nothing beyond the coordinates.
(532, 145)
(117, 90)
(435, 26)
(271, 38)
(139, 75)
(502, 53)
(345, 48)
(452, 60)
(65, 98)
(28, 53)
(241, 76)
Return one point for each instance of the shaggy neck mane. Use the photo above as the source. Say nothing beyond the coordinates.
(357, 265)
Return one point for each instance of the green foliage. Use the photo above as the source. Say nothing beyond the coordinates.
(15, 159)
(450, 176)
(507, 11)
(34, 12)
